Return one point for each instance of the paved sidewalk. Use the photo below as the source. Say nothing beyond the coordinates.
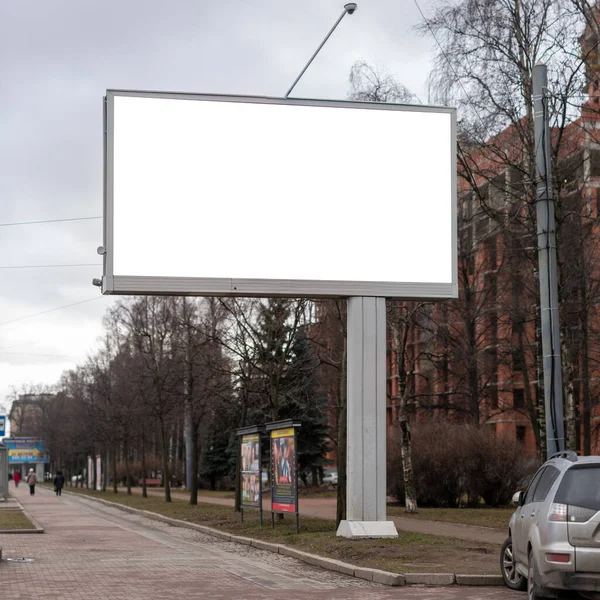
(92, 551)
(324, 508)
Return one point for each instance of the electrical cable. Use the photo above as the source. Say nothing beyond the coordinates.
(544, 142)
(48, 221)
(34, 354)
(44, 312)
(49, 266)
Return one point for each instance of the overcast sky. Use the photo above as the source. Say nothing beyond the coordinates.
(58, 57)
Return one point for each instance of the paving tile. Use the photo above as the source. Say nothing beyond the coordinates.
(92, 551)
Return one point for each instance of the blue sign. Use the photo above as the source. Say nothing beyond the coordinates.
(26, 450)
(2, 425)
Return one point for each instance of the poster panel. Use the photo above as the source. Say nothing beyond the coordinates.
(98, 473)
(284, 489)
(26, 450)
(90, 473)
(251, 480)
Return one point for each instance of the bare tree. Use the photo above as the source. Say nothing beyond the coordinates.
(150, 323)
(487, 50)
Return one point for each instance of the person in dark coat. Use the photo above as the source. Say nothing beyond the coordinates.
(59, 482)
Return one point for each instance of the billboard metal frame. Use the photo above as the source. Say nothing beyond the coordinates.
(200, 286)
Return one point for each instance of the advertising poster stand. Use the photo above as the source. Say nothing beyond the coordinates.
(250, 488)
(283, 441)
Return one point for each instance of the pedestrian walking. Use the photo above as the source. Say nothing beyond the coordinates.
(17, 478)
(31, 481)
(59, 482)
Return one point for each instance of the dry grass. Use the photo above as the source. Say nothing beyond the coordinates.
(12, 520)
(496, 518)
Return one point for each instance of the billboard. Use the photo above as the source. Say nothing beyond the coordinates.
(284, 476)
(251, 471)
(253, 196)
(26, 450)
(2, 425)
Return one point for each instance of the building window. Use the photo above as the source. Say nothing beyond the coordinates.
(518, 360)
(493, 390)
(521, 433)
(518, 399)
(491, 254)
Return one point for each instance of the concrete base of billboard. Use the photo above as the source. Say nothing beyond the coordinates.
(367, 529)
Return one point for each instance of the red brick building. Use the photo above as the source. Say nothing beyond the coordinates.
(477, 359)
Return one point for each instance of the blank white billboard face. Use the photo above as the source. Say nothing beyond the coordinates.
(250, 196)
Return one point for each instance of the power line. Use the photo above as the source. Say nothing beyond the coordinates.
(48, 221)
(49, 266)
(45, 312)
(33, 354)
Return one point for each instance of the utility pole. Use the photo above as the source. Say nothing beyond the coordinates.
(548, 270)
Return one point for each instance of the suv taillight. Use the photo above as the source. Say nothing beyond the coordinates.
(563, 513)
(578, 514)
(558, 513)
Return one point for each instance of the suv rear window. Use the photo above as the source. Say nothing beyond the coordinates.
(580, 487)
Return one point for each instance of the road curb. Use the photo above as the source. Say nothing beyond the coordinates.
(481, 580)
(386, 578)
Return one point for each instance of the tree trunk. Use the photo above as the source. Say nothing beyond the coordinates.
(194, 478)
(473, 373)
(315, 476)
(529, 400)
(400, 342)
(113, 461)
(585, 373)
(104, 472)
(342, 437)
(410, 493)
(570, 417)
(143, 458)
(187, 428)
(238, 458)
(165, 456)
(127, 467)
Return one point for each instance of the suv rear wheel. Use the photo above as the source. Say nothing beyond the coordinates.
(508, 566)
(534, 590)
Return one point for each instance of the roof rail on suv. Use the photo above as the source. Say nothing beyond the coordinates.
(568, 454)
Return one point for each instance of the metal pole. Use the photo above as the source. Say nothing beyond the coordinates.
(548, 271)
(348, 8)
(366, 431)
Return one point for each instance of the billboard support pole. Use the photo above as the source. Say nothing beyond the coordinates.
(366, 446)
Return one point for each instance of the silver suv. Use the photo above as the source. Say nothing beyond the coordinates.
(554, 535)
